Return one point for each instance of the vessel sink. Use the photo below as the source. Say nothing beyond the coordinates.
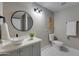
(16, 40)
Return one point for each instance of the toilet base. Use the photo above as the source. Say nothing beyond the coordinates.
(58, 46)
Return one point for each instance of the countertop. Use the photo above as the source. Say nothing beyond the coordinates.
(8, 46)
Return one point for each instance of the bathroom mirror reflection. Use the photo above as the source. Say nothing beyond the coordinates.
(21, 21)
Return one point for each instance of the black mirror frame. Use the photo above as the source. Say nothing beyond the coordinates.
(21, 11)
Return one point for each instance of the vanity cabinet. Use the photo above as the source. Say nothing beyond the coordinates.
(26, 48)
(13, 53)
(31, 50)
(26, 51)
(36, 49)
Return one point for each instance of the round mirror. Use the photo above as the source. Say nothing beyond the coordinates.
(21, 21)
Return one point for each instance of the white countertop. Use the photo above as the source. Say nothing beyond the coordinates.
(9, 46)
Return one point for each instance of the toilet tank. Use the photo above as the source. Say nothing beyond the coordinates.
(51, 37)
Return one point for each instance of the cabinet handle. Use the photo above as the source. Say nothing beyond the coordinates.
(19, 52)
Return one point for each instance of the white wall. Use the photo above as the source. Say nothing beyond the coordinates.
(60, 19)
(40, 21)
(1, 8)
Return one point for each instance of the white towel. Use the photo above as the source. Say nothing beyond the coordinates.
(5, 31)
(71, 28)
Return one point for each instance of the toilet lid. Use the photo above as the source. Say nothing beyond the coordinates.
(58, 42)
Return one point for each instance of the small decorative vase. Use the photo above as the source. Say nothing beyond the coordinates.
(31, 38)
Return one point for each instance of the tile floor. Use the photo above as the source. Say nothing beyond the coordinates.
(55, 51)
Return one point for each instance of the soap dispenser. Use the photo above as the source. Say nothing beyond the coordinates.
(16, 35)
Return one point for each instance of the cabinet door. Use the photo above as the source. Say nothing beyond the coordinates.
(26, 51)
(12, 53)
(36, 49)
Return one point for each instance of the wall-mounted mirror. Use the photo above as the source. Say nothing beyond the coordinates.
(21, 21)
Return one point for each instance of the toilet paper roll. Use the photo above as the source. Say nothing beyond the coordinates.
(5, 31)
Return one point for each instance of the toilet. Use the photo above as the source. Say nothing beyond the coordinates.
(55, 42)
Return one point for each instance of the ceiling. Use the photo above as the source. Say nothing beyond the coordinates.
(57, 6)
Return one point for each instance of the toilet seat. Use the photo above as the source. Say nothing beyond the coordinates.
(55, 42)
(58, 43)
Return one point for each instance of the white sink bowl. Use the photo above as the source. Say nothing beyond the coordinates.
(16, 40)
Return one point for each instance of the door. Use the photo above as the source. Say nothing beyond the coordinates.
(26, 51)
(36, 49)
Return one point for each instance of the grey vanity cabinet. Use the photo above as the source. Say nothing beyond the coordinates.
(36, 49)
(32, 50)
(26, 51)
(12, 53)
